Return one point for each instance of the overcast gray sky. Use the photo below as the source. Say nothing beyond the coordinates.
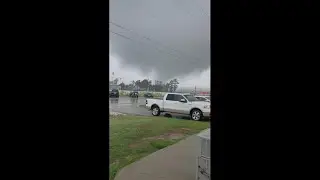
(161, 39)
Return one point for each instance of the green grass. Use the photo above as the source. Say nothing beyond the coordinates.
(133, 137)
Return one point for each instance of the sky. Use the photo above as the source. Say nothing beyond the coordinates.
(129, 73)
(160, 40)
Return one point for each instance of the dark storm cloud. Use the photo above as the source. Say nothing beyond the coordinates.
(170, 36)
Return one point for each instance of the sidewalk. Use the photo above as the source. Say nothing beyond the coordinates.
(176, 162)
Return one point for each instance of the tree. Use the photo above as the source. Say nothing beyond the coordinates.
(115, 81)
(144, 83)
(173, 85)
(132, 84)
(150, 87)
(138, 84)
(122, 85)
(167, 87)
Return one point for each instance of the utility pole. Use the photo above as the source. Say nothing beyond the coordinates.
(148, 86)
(112, 78)
(120, 83)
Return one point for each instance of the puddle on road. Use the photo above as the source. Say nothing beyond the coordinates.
(127, 101)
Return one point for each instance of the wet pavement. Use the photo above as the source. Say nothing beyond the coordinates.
(129, 105)
(135, 106)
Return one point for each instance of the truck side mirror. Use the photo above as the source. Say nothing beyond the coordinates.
(182, 100)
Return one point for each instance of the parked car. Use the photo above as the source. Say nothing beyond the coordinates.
(114, 93)
(179, 103)
(203, 98)
(134, 94)
(148, 95)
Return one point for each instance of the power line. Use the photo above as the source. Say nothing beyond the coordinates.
(123, 36)
(120, 35)
(144, 37)
(151, 40)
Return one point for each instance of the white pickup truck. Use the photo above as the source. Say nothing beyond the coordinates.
(179, 103)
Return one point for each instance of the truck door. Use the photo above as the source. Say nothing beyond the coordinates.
(181, 107)
(168, 104)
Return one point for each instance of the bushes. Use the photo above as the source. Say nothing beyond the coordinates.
(123, 93)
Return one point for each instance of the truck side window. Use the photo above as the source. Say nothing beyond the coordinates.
(170, 97)
(178, 97)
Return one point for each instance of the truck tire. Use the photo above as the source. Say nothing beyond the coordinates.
(196, 115)
(155, 110)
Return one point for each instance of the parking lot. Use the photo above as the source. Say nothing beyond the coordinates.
(135, 106)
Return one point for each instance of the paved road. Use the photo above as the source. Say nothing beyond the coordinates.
(129, 105)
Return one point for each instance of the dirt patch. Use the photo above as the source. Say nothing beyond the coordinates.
(180, 131)
(171, 135)
(185, 129)
(116, 162)
(133, 145)
(116, 114)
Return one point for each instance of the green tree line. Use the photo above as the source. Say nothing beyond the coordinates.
(145, 84)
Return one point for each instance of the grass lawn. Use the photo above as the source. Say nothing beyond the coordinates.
(133, 137)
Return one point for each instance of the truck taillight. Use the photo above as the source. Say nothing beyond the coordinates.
(146, 101)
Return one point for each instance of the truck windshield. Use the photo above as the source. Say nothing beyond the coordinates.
(191, 98)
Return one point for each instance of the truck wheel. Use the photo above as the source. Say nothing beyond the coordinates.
(155, 111)
(196, 115)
